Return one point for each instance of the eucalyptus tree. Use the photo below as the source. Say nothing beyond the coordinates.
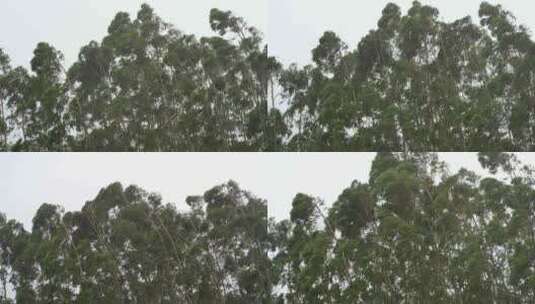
(413, 83)
(148, 86)
(40, 105)
(4, 127)
(237, 232)
(126, 246)
(16, 271)
(306, 275)
(5, 258)
(416, 83)
(413, 233)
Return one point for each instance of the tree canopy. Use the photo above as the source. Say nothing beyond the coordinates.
(413, 233)
(145, 87)
(416, 83)
(413, 83)
(127, 246)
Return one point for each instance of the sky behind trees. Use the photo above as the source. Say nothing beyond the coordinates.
(221, 92)
(68, 25)
(346, 228)
(71, 179)
(414, 232)
(291, 28)
(295, 26)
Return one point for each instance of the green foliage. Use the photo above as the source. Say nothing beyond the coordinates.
(410, 237)
(416, 83)
(417, 234)
(496, 160)
(303, 209)
(125, 246)
(413, 83)
(145, 87)
(353, 210)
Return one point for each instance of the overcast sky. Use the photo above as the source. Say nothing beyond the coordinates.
(29, 179)
(295, 26)
(291, 27)
(68, 25)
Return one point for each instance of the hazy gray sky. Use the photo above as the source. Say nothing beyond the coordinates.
(68, 25)
(29, 179)
(291, 27)
(295, 26)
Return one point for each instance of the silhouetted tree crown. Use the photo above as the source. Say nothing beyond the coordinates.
(126, 246)
(413, 83)
(414, 233)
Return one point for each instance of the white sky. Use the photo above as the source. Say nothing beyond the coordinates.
(29, 179)
(295, 26)
(291, 27)
(68, 25)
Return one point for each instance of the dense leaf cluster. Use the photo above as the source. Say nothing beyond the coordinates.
(414, 83)
(414, 233)
(125, 246)
(145, 87)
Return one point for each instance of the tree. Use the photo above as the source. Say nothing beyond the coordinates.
(4, 71)
(412, 83)
(126, 246)
(41, 107)
(145, 87)
(415, 233)
(416, 84)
